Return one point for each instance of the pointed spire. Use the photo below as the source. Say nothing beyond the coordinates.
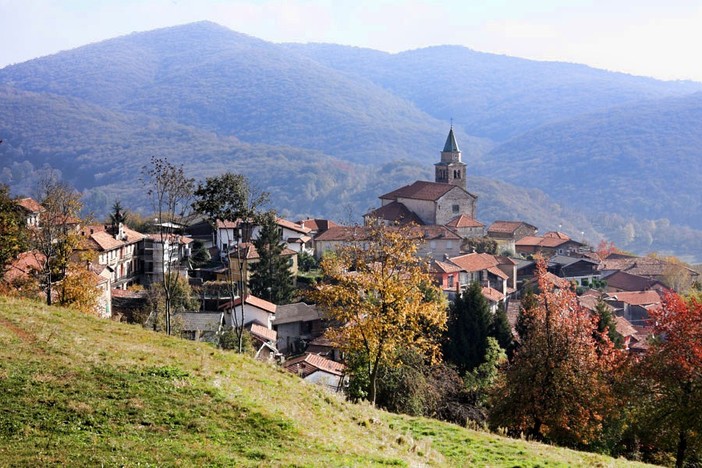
(451, 146)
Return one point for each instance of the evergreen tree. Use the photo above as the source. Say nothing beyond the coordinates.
(501, 330)
(606, 325)
(271, 278)
(13, 229)
(528, 303)
(468, 329)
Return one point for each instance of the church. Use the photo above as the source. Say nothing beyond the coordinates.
(444, 202)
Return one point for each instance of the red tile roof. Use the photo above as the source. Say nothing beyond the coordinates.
(420, 190)
(492, 294)
(475, 261)
(557, 235)
(100, 239)
(30, 205)
(508, 227)
(265, 333)
(307, 364)
(24, 265)
(318, 224)
(292, 226)
(437, 266)
(255, 302)
(463, 221)
(344, 233)
(640, 298)
(395, 212)
(624, 327)
(250, 253)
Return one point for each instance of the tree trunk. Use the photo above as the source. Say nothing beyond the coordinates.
(682, 447)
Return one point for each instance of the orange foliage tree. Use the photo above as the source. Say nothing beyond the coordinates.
(383, 299)
(671, 377)
(556, 387)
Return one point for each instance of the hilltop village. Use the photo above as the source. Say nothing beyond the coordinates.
(459, 248)
(217, 265)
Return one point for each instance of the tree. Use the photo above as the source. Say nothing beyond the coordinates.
(382, 298)
(468, 328)
(230, 197)
(79, 289)
(606, 325)
(13, 229)
(55, 239)
(557, 385)
(671, 376)
(118, 215)
(271, 278)
(501, 330)
(171, 195)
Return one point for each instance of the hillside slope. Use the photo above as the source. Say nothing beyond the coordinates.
(488, 95)
(75, 390)
(210, 77)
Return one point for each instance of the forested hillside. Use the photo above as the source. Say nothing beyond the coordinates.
(327, 128)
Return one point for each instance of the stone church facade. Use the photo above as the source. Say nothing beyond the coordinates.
(432, 203)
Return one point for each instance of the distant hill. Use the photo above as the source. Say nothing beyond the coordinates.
(492, 96)
(327, 128)
(210, 77)
(79, 391)
(643, 160)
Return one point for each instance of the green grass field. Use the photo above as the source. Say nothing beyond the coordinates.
(79, 391)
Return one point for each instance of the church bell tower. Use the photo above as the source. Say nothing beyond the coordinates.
(451, 170)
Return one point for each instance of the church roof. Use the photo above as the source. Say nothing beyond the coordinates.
(395, 212)
(422, 190)
(451, 146)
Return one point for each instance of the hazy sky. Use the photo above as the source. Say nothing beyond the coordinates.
(659, 38)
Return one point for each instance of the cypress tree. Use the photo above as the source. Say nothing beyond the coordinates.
(271, 278)
(468, 329)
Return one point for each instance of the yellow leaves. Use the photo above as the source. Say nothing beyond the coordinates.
(378, 294)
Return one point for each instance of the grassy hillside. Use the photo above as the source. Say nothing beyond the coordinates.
(75, 390)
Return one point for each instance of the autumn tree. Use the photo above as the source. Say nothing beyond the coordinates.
(171, 193)
(230, 197)
(382, 298)
(670, 375)
(468, 328)
(271, 278)
(78, 289)
(556, 386)
(13, 229)
(56, 237)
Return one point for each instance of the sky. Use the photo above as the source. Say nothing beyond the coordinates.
(657, 38)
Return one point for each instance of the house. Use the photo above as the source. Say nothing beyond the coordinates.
(118, 248)
(627, 331)
(430, 203)
(297, 324)
(548, 245)
(241, 258)
(32, 210)
(446, 275)
(673, 275)
(634, 305)
(164, 252)
(255, 310)
(494, 297)
(201, 326)
(506, 233)
(337, 237)
(295, 236)
(466, 227)
(264, 340)
(493, 271)
(318, 370)
(317, 225)
(622, 281)
(581, 271)
(437, 242)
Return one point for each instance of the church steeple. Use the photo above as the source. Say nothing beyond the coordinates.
(451, 170)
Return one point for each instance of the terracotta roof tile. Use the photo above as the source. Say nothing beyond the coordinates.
(463, 221)
(309, 363)
(30, 205)
(292, 226)
(317, 224)
(640, 298)
(492, 294)
(507, 227)
(420, 190)
(262, 332)
(474, 261)
(395, 212)
(255, 302)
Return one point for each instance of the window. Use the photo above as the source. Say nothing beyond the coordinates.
(450, 281)
(449, 244)
(455, 208)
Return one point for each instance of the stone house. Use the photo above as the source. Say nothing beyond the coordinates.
(507, 233)
(297, 324)
(117, 248)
